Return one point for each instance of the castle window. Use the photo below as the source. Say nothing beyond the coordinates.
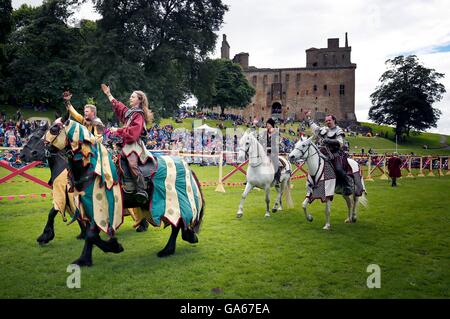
(325, 87)
(297, 79)
(265, 80)
(342, 89)
(317, 109)
(287, 77)
(254, 80)
(326, 110)
(275, 78)
(298, 93)
(301, 110)
(315, 64)
(315, 88)
(306, 92)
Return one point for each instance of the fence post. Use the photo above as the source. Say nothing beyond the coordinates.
(440, 167)
(431, 167)
(220, 187)
(369, 168)
(420, 168)
(409, 167)
(448, 168)
(383, 176)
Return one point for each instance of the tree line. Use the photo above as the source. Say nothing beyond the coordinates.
(158, 46)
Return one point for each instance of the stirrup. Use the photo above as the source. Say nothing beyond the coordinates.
(141, 196)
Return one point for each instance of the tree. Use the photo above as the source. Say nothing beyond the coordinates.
(406, 96)
(222, 83)
(154, 46)
(6, 25)
(43, 52)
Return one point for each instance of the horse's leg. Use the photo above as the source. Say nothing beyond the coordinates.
(110, 246)
(82, 234)
(355, 208)
(49, 231)
(248, 188)
(308, 216)
(348, 200)
(86, 256)
(267, 189)
(327, 215)
(278, 198)
(171, 244)
(189, 235)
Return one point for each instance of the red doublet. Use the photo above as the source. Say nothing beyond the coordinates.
(129, 133)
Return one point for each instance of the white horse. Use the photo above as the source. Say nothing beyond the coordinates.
(321, 181)
(260, 173)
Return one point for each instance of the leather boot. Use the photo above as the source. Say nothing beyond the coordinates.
(141, 194)
(277, 176)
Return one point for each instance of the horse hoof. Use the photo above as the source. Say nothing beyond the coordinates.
(239, 215)
(141, 229)
(347, 221)
(354, 219)
(310, 218)
(274, 210)
(81, 236)
(45, 238)
(116, 248)
(82, 262)
(165, 252)
(267, 215)
(327, 227)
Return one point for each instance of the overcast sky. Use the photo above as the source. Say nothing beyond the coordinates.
(276, 33)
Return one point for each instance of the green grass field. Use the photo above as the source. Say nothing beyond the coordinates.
(404, 230)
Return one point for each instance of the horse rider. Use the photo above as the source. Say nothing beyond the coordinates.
(331, 140)
(273, 147)
(133, 148)
(89, 120)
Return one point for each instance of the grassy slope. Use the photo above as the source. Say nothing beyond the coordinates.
(254, 257)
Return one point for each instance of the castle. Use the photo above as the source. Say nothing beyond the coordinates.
(325, 86)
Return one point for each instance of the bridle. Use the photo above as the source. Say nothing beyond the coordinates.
(307, 151)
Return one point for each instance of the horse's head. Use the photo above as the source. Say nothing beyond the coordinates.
(244, 146)
(56, 136)
(301, 150)
(34, 149)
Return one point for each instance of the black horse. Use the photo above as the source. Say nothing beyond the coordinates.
(34, 150)
(82, 178)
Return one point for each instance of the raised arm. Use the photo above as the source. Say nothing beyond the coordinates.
(69, 107)
(118, 107)
(314, 127)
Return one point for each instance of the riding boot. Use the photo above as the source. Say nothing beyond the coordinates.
(277, 176)
(343, 179)
(141, 194)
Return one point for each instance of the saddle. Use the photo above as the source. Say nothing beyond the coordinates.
(126, 179)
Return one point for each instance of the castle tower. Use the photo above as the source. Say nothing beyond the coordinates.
(225, 49)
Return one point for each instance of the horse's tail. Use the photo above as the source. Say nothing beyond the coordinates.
(289, 201)
(363, 200)
(198, 221)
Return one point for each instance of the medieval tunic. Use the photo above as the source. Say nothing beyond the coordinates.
(95, 127)
(394, 164)
(131, 132)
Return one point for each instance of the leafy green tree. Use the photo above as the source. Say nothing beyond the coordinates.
(44, 53)
(406, 96)
(152, 45)
(6, 24)
(230, 88)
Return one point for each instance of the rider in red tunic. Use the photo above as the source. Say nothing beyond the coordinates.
(133, 147)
